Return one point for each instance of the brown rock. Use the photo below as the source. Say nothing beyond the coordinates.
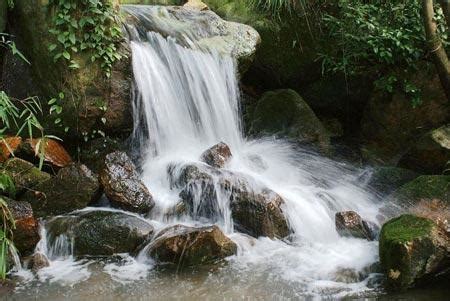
(53, 151)
(350, 223)
(7, 147)
(217, 156)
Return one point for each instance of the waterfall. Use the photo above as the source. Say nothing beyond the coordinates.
(187, 99)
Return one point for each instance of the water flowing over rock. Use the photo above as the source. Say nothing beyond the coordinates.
(26, 233)
(413, 250)
(255, 210)
(350, 223)
(38, 261)
(100, 233)
(188, 246)
(386, 179)
(122, 185)
(217, 156)
(74, 187)
(197, 29)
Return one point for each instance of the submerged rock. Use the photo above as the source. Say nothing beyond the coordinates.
(38, 261)
(188, 246)
(255, 210)
(24, 174)
(285, 114)
(350, 223)
(413, 251)
(100, 233)
(217, 156)
(430, 154)
(26, 233)
(74, 187)
(123, 186)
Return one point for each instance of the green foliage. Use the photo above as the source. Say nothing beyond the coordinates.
(381, 37)
(7, 224)
(275, 6)
(85, 26)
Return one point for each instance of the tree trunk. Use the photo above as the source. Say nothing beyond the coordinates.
(435, 45)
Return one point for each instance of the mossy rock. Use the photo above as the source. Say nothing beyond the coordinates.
(413, 250)
(24, 174)
(386, 179)
(101, 233)
(285, 114)
(3, 15)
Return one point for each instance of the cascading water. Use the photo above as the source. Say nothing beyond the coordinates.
(186, 100)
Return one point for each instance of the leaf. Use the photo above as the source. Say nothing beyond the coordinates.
(66, 55)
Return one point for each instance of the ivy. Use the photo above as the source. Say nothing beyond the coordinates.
(87, 26)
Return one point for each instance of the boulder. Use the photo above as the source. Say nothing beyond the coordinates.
(38, 261)
(217, 156)
(285, 114)
(430, 154)
(74, 187)
(24, 174)
(200, 29)
(123, 186)
(26, 234)
(196, 4)
(350, 224)
(386, 179)
(188, 246)
(413, 251)
(94, 152)
(255, 210)
(100, 233)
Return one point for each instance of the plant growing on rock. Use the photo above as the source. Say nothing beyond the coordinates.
(7, 225)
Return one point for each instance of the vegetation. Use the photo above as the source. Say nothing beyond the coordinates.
(7, 224)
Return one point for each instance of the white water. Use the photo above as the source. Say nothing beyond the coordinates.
(187, 101)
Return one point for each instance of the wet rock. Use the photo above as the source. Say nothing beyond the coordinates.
(94, 152)
(285, 114)
(101, 233)
(74, 187)
(24, 174)
(26, 234)
(187, 246)
(123, 186)
(38, 261)
(255, 210)
(413, 251)
(350, 224)
(54, 152)
(430, 154)
(384, 180)
(8, 146)
(217, 156)
(435, 210)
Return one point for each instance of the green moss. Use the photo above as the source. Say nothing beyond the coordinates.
(424, 187)
(406, 228)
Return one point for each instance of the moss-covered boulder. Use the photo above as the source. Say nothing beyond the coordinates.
(430, 154)
(413, 251)
(24, 174)
(92, 100)
(386, 179)
(185, 246)
(285, 114)
(100, 233)
(74, 187)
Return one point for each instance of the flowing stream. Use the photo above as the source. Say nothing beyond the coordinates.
(187, 100)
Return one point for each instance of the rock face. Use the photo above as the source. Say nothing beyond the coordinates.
(255, 212)
(74, 187)
(24, 174)
(201, 29)
(413, 250)
(93, 153)
(26, 234)
(217, 156)
(350, 224)
(285, 114)
(186, 246)
(384, 180)
(101, 233)
(430, 154)
(122, 185)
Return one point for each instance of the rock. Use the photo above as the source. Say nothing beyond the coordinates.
(413, 251)
(100, 233)
(430, 154)
(94, 152)
(198, 29)
(391, 125)
(187, 246)
(74, 187)
(26, 234)
(196, 4)
(285, 114)
(38, 261)
(123, 186)
(386, 179)
(24, 174)
(54, 152)
(350, 224)
(255, 210)
(8, 146)
(3, 15)
(435, 210)
(217, 156)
